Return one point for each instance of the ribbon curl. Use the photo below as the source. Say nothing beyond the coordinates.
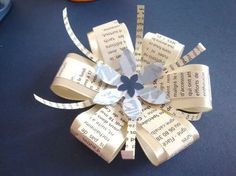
(160, 124)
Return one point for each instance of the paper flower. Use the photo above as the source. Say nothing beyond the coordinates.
(130, 85)
(117, 78)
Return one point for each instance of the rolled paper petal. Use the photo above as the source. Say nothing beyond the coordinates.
(107, 74)
(88, 128)
(132, 107)
(193, 90)
(108, 97)
(161, 49)
(127, 63)
(153, 95)
(154, 131)
(150, 73)
(76, 79)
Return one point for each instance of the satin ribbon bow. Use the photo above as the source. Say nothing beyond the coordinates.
(114, 80)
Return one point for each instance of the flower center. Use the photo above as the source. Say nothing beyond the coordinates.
(130, 84)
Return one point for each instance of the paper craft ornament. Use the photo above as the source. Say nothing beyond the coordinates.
(148, 93)
(130, 85)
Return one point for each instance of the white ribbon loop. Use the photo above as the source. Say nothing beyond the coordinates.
(76, 79)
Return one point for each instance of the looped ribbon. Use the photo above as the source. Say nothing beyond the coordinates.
(5, 6)
(162, 130)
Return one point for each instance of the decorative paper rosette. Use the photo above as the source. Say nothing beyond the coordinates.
(146, 92)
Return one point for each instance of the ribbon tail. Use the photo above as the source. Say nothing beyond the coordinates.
(139, 36)
(78, 105)
(178, 113)
(129, 152)
(196, 51)
(76, 41)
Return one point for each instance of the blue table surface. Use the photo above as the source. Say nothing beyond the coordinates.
(35, 140)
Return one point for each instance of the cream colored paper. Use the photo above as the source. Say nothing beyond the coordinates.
(102, 130)
(197, 50)
(152, 124)
(76, 79)
(159, 48)
(162, 136)
(77, 105)
(76, 41)
(162, 131)
(129, 152)
(188, 88)
(178, 113)
(139, 36)
(109, 40)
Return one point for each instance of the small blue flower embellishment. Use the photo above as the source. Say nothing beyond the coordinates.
(130, 85)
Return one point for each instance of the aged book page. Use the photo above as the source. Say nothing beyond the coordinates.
(109, 40)
(161, 49)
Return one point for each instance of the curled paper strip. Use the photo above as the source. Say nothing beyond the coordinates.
(139, 35)
(78, 105)
(75, 39)
(129, 152)
(146, 91)
(197, 50)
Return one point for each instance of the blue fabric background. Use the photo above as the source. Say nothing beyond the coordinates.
(35, 140)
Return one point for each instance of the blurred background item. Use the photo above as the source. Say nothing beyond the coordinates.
(5, 6)
(82, 0)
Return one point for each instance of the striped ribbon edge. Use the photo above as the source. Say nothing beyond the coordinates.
(77, 105)
(196, 51)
